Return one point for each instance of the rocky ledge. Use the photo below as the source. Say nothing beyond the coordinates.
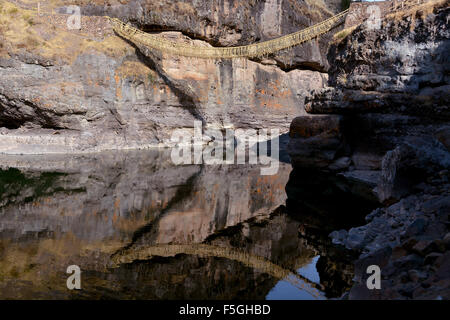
(382, 127)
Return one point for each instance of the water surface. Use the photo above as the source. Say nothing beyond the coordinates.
(140, 227)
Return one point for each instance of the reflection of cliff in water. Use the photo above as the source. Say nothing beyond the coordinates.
(94, 210)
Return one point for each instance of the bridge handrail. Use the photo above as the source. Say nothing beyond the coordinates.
(252, 50)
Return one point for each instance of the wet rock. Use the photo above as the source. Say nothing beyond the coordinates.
(366, 161)
(416, 255)
(432, 257)
(390, 185)
(416, 275)
(415, 228)
(408, 262)
(423, 247)
(443, 135)
(362, 183)
(340, 164)
(338, 237)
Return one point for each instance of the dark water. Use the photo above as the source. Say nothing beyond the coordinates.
(141, 228)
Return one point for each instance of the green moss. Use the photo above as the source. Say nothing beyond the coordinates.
(13, 183)
(151, 78)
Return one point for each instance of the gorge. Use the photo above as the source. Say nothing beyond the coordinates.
(86, 177)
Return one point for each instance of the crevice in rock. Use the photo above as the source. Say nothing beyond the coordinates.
(16, 121)
(11, 125)
(308, 65)
(153, 28)
(46, 122)
(428, 84)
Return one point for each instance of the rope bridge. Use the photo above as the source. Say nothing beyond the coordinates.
(261, 49)
(250, 51)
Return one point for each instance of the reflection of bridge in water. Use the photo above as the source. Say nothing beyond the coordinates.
(205, 250)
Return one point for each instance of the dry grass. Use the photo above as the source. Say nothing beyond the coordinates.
(24, 30)
(341, 35)
(317, 8)
(420, 11)
(15, 28)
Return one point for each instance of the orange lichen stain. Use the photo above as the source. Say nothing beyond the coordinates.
(269, 103)
(273, 93)
(117, 203)
(188, 75)
(119, 93)
(118, 88)
(116, 210)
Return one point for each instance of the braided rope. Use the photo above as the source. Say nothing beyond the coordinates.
(249, 51)
(253, 50)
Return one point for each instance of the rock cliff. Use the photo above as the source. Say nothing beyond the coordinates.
(89, 90)
(381, 127)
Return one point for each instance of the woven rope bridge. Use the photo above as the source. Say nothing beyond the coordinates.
(261, 49)
(265, 48)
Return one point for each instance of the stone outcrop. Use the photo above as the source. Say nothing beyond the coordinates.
(390, 89)
(315, 140)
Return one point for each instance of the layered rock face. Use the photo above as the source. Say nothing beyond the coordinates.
(88, 90)
(382, 128)
(229, 22)
(385, 112)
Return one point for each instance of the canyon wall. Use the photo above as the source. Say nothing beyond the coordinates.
(381, 128)
(88, 90)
